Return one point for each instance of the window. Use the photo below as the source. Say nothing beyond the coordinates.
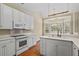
(61, 25)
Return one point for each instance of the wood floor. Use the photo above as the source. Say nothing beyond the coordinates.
(34, 51)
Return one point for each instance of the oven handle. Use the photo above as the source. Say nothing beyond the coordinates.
(21, 38)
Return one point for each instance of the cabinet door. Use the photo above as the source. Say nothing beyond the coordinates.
(75, 50)
(28, 22)
(17, 19)
(31, 22)
(58, 48)
(7, 48)
(64, 50)
(29, 42)
(6, 51)
(50, 48)
(22, 19)
(10, 47)
(3, 48)
(6, 17)
(34, 39)
(42, 47)
(2, 53)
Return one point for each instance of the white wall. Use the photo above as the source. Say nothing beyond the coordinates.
(37, 25)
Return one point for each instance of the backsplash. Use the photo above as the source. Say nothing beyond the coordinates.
(13, 31)
(4, 31)
(19, 31)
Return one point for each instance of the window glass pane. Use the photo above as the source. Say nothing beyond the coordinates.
(59, 25)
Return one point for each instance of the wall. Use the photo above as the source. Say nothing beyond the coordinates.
(37, 25)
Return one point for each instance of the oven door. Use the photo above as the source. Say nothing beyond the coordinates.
(21, 43)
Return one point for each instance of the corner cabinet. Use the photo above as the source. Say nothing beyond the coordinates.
(5, 17)
(7, 47)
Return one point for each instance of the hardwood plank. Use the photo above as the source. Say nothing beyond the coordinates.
(34, 51)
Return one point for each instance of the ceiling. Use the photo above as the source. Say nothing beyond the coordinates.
(47, 8)
(41, 8)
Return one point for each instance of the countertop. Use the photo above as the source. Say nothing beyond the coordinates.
(4, 37)
(74, 40)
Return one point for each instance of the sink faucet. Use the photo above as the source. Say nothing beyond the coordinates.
(59, 33)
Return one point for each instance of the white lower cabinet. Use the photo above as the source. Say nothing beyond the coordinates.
(7, 47)
(64, 50)
(11, 47)
(75, 50)
(50, 47)
(31, 41)
(51, 50)
(2, 48)
(43, 47)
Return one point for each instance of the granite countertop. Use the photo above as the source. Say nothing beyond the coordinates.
(74, 40)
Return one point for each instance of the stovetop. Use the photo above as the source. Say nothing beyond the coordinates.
(17, 35)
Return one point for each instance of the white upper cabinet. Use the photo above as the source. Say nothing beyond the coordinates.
(12, 18)
(5, 17)
(22, 20)
(28, 22)
(17, 18)
(22, 17)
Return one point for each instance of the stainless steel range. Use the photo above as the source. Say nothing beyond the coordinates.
(21, 43)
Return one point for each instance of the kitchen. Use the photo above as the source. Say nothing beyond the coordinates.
(53, 26)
